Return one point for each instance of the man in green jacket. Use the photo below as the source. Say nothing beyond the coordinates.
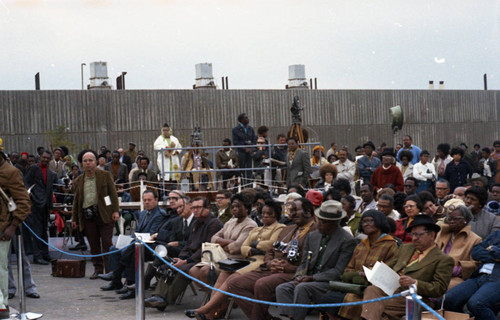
(421, 263)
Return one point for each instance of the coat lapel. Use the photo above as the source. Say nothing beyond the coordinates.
(429, 259)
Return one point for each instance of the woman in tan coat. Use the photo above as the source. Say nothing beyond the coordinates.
(259, 241)
(456, 239)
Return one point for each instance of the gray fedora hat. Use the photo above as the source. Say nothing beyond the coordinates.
(330, 210)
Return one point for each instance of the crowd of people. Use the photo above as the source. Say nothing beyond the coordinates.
(298, 237)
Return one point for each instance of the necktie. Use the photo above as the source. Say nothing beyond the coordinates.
(184, 227)
(148, 214)
(414, 259)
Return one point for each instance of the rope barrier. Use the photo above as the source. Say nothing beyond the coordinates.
(423, 304)
(74, 254)
(324, 305)
(277, 304)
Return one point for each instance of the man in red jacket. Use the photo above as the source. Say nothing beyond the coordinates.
(387, 173)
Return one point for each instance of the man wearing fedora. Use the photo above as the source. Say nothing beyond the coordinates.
(330, 249)
(420, 263)
(387, 173)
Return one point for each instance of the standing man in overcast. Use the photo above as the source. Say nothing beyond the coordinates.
(243, 134)
(95, 208)
(41, 180)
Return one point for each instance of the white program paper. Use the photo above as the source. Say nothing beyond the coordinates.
(383, 277)
(145, 237)
(123, 241)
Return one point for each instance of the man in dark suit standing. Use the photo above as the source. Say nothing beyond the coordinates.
(243, 134)
(331, 248)
(41, 180)
(125, 159)
(95, 208)
(298, 164)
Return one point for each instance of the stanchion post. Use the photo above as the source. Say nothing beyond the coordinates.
(413, 308)
(140, 312)
(20, 274)
(141, 191)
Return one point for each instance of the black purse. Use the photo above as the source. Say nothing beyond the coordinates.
(233, 264)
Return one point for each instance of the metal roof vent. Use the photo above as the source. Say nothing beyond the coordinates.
(297, 77)
(99, 75)
(204, 77)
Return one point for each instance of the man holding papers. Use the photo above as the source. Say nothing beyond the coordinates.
(149, 221)
(421, 263)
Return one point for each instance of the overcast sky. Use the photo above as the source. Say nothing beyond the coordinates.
(357, 44)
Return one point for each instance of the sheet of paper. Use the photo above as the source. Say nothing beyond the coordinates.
(383, 277)
(144, 237)
(122, 241)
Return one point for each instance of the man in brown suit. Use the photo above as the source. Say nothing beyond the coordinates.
(421, 263)
(95, 208)
(226, 158)
(280, 263)
(11, 183)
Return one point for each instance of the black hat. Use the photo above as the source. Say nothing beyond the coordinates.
(423, 220)
(388, 152)
(369, 143)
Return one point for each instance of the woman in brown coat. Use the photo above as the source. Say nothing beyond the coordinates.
(259, 241)
(456, 239)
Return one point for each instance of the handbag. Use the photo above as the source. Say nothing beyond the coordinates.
(347, 287)
(216, 252)
(233, 264)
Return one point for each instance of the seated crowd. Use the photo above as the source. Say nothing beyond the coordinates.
(433, 222)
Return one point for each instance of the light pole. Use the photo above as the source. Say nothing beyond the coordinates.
(81, 67)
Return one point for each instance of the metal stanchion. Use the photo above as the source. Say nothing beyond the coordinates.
(413, 308)
(20, 274)
(20, 281)
(140, 313)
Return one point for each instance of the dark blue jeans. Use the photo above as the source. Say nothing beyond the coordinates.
(480, 294)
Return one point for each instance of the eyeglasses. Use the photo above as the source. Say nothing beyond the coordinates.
(418, 234)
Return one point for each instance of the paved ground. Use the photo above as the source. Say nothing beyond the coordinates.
(81, 298)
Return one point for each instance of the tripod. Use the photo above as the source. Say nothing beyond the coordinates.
(298, 132)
